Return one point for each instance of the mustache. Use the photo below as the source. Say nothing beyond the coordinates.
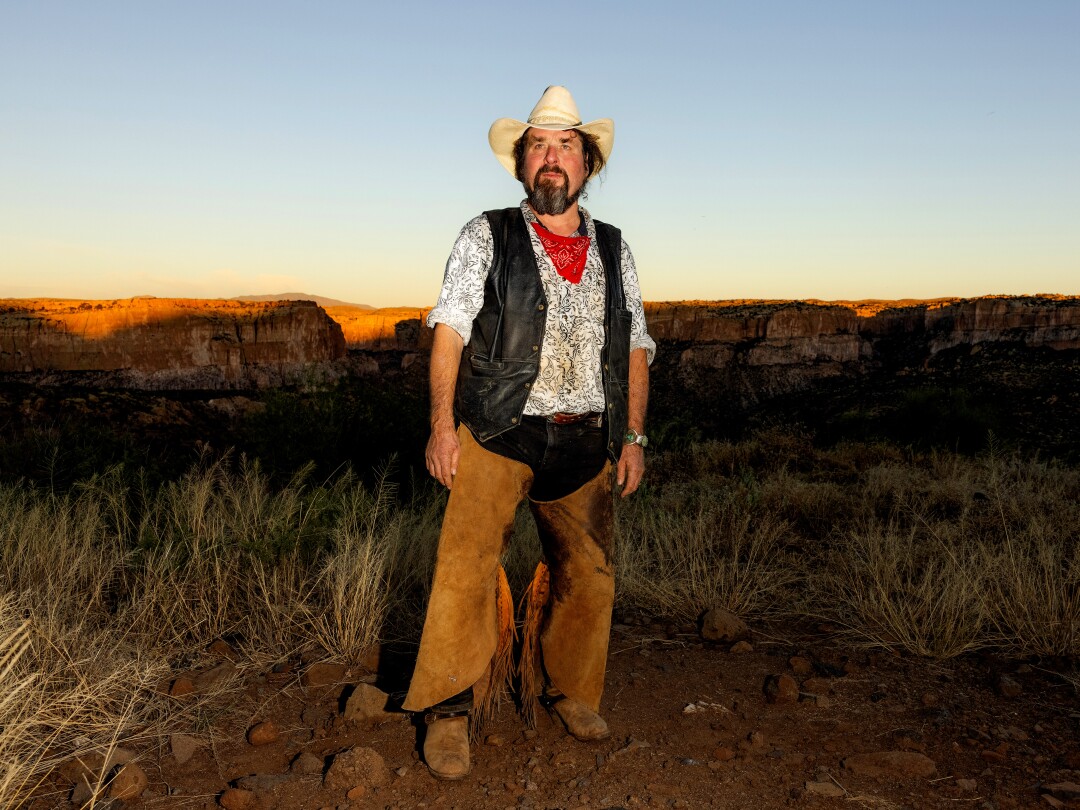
(550, 170)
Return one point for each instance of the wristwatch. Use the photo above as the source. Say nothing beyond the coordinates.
(633, 437)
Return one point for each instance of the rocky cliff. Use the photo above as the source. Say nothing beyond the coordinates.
(784, 345)
(761, 348)
(754, 349)
(168, 343)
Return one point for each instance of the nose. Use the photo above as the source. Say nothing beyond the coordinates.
(551, 156)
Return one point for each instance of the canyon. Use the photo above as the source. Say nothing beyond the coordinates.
(290, 381)
(167, 343)
(760, 347)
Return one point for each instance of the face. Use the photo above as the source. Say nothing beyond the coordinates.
(554, 169)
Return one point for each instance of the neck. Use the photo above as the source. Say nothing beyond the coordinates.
(562, 224)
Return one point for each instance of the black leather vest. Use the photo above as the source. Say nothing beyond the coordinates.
(502, 360)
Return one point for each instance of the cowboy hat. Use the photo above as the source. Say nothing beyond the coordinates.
(555, 110)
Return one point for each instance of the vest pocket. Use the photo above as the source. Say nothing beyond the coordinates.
(480, 364)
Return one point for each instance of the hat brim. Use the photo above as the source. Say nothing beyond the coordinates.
(505, 132)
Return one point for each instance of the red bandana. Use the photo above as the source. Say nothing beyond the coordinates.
(567, 252)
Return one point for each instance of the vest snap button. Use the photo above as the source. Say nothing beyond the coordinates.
(513, 420)
(536, 348)
(541, 306)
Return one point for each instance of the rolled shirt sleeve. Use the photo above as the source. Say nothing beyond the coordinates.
(639, 331)
(462, 292)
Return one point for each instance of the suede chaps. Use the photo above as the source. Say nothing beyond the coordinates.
(461, 629)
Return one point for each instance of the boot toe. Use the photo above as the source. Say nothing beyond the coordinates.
(581, 721)
(446, 748)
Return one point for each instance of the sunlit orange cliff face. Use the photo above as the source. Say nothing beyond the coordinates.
(158, 342)
(830, 326)
(227, 342)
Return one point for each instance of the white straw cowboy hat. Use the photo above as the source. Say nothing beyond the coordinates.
(555, 110)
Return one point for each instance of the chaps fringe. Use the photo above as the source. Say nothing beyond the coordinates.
(529, 674)
(500, 671)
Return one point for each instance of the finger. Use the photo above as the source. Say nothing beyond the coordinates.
(621, 471)
(446, 478)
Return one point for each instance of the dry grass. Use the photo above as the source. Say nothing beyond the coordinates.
(906, 588)
(678, 564)
(108, 589)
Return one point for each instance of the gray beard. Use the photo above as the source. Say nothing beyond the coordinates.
(550, 199)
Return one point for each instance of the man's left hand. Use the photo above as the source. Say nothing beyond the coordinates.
(631, 468)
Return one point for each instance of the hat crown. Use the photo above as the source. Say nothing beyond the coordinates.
(555, 107)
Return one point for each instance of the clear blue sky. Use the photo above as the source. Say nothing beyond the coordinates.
(763, 149)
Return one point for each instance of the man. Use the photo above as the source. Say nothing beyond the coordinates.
(541, 353)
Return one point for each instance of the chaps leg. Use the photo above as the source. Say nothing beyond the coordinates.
(461, 628)
(577, 532)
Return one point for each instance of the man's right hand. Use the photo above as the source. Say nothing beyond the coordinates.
(443, 451)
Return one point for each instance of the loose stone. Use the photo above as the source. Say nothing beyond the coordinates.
(323, 674)
(265, 733)
(902, 764)
(718, 624)
(237, 799)
(780, 689)
(800, 665)
(128, 784)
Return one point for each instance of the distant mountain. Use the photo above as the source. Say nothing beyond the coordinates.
(321, 300)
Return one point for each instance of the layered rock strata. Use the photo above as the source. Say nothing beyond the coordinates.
(757, 349)
(754, 349)
(169, 343)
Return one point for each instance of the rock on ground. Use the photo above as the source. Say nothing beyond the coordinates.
(307, 763)
(357, 766)
(264, 733)
(718, 624)
(237, 799)
(367, 704)
(184, 747)
(128, 783)
(781, 689)
(902, 764)
(825, 789)
(214, 678)
(323, 674)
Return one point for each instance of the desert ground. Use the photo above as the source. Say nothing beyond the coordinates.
(783, 718)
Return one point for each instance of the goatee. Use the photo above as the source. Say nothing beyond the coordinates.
(550, 198)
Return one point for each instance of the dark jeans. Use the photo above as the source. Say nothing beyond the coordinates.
(562, 457)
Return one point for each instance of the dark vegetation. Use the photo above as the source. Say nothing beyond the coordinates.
(1008, 397)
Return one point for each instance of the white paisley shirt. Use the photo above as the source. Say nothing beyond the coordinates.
(569, 380)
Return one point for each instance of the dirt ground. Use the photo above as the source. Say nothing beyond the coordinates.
(692, 726)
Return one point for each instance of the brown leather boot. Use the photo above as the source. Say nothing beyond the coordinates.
(582, 722)
(446, 747)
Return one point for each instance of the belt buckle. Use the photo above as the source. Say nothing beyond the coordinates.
(592, 419)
